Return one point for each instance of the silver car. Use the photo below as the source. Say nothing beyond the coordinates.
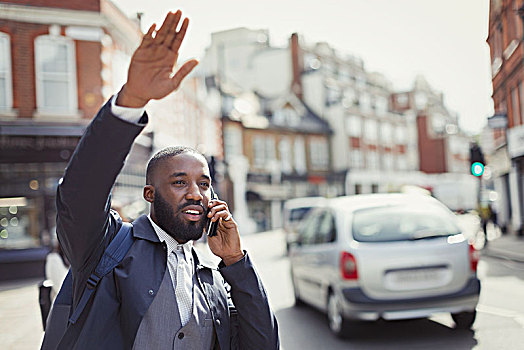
(389, 256)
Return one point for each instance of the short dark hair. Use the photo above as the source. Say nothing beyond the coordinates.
(164, 154)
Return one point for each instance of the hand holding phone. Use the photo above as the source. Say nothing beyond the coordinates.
(211, 226)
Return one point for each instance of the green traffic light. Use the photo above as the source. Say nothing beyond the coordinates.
(477, 169)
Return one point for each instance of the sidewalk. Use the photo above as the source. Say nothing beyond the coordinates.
(20, 320)
(509, 247)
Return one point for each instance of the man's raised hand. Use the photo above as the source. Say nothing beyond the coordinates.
(150, 74)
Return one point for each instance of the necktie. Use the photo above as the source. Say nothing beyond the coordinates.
(184, 286)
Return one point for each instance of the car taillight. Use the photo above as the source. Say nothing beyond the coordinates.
(474, 256)
(348, 266)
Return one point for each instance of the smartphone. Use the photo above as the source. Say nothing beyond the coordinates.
(211, 227)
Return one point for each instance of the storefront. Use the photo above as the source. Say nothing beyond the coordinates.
(516, 177)
(32, 160)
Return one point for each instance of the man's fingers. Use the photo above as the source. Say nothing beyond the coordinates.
(163, 32)
(180, 35)
(148, 37)
(182, 73)
(172, 29)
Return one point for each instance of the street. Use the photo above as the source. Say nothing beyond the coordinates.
(499, 324)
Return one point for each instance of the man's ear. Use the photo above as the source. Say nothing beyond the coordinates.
(149, 193)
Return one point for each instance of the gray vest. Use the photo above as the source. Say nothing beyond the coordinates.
(161, 327)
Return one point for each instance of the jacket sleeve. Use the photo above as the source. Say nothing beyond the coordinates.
(255, 326)
(83, 195)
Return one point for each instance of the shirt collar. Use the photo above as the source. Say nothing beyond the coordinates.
(172, 244)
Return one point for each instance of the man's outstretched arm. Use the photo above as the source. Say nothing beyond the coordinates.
(82, 198)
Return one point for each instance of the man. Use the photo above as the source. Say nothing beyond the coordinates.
(159, 296)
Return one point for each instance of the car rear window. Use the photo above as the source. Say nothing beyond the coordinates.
(399, 223)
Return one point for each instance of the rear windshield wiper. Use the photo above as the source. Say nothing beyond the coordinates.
(427, 234)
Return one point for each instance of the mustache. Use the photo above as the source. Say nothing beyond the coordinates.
(191, 202)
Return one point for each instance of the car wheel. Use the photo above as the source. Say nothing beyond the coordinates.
(464, 320)
(336, 321)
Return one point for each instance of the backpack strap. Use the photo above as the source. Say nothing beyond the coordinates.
(113, 255)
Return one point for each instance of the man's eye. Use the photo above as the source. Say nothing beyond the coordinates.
(204, 184)
(178, 182)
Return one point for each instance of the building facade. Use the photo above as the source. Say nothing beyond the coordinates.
(442, 146)
(60, 61)
(375, 145)
(275, 146)
(505, 35)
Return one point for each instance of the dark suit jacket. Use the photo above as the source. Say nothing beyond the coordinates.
(86, 225)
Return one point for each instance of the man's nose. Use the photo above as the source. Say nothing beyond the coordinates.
(193, 193)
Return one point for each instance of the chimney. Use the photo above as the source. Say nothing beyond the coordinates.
(297, 63)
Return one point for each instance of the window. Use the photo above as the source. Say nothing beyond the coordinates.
(300, 156)
(307, 231)
(372, 160)
(381, 105)
(400, 134)
(365, 103)
(55, 75)
(258, 151)
(405, 222)
(370, 130)
(386, 133)
(402, 100)
(326, 229)
(18, 227)
(6, 93)
(349, 98)
(318, 153)
(357, 161)
(354, 126)
(263, 151)
(232, 142)
(284, 148)
(421, 100)
(333, 95)
(286, 115)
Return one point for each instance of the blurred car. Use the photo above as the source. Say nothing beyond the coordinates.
(294, 211)
(388, 256)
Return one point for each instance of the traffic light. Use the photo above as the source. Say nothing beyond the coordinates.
(476, 159)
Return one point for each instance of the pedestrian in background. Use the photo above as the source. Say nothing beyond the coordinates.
(485, 216)
(160, 296)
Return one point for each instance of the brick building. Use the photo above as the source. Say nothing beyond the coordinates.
(505, 35)
(442, 146)
(59, 61)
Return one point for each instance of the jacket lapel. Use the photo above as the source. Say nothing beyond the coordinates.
(143, 229)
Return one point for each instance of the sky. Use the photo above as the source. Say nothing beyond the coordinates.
(443, 40)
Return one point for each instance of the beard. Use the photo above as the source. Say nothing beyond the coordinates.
(171, 221)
